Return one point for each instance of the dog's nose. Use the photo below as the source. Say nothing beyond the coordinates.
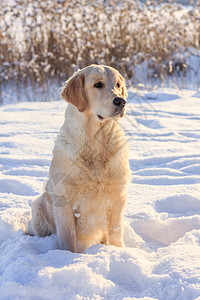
(120, 102)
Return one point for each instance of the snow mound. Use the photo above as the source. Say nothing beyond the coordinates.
(179, 204)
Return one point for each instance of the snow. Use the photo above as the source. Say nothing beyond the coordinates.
(161, 257)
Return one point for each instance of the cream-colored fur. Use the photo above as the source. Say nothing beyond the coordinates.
(85, 196)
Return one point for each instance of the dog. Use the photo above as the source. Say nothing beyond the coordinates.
(85, 196)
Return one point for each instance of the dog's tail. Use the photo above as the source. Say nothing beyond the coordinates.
(29, 228)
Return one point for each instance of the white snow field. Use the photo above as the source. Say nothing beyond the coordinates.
(161, 257)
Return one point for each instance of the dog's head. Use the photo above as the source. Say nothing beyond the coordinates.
(99, 89)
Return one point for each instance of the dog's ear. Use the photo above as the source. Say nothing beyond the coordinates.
(124, 89)
(124, 92)
(74, 92)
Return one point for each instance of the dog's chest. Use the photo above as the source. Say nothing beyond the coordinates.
(93, 161)
(96, 157)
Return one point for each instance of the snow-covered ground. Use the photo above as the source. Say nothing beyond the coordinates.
(161, 257)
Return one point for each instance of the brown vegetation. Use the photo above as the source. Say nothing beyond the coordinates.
(44, 40)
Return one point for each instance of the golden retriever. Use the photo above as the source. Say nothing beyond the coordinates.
(85, 196)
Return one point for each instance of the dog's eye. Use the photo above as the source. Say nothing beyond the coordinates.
(118, 85)
(98, 85)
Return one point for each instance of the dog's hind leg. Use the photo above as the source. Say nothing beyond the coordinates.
(42, 223)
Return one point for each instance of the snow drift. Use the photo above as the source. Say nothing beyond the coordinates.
(161, 257)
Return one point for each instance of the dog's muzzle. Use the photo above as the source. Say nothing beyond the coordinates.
(119, 102)
(120, 105)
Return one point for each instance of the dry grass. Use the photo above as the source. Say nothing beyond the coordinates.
(44, 40)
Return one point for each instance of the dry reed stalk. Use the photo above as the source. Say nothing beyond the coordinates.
(40, 40)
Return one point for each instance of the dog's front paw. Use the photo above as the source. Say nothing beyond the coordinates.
(117, 242)
(64, 246)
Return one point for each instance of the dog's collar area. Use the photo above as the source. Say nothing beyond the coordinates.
(100, 117)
